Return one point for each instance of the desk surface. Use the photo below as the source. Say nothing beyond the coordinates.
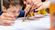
(29, 25)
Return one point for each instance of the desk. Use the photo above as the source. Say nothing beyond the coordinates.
(42, 23)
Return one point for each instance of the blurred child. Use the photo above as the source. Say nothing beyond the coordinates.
(37, 5)
(10, 10)
(28, 11)
(40, 7)
(44, 5)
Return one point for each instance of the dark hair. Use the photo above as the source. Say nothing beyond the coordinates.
(47, 9)
(15, 2)
(6, 4)
(21, 2)
(43, 0)
(0, 8)
(24, 5)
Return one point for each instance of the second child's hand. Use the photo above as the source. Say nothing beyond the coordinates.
(27, 9)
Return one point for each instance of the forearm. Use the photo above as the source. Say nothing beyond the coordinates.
(27, 9)
(44, 5)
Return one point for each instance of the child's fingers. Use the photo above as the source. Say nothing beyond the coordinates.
(6, 22)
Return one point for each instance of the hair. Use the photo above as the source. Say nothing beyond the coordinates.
(16, 2)
(47, 9)
(24, 5)
(20, 2)
(0, 5)
(6, 4)
(43, 0)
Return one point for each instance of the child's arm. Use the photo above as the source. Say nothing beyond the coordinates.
(44, 5)
(27, 9)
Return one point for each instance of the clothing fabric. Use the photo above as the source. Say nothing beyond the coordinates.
(22, 13)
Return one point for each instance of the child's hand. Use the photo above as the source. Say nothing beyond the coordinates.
(6, 19)
(7, 23)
